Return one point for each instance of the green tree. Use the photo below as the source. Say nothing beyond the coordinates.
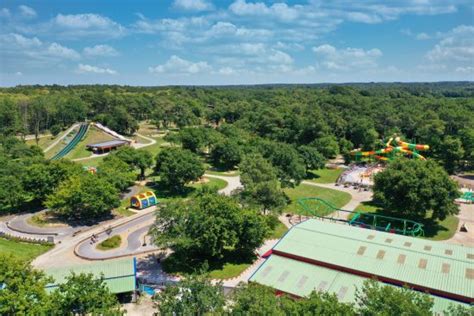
(176, 167)
(22, 289)
(196, 139)
(226, 154)
(116, 172)
(363, 134)
(260, 184)
(312, 158)
(255, 299)
(83, 294)
(327, 146)
(208, 226)
(376, 299)
(451, 153)
(42, 178)
(10, 122)
(140, 159)
(11, 192)
(411, 187)
(194, 295)
(84, 197)
(285, 158)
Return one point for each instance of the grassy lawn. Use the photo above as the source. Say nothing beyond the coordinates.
(213, 182)
(155, 148)
(110, 243)
(434, 229)
(230, 266)
(53, 151)
(22, 250)
(279, 231)
(337, 198)
(43, 142)
(94, 135)
(45, 219)
(325, 175)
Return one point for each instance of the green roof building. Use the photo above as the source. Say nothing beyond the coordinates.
(119, 275)
(326, 256)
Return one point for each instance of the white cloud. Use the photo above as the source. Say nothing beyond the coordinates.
(226, 71)
(60, 51)
(14, 40)
(422, 36)
(20, 52)
(456, 45)
(222, 29)
(252, 48)
(27, 12)
(177, 65)
(363, 17)
(280, 57)
(100, 50)
(18, 73)
(279, 10)
(347, 58)
(83, 69)
(84, 25)
(465, 70)
(193, 5)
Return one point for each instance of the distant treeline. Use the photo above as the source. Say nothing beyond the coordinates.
(334, 118)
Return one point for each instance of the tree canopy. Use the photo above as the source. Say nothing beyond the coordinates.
(176, 167)
(411, 188)
(208, 226)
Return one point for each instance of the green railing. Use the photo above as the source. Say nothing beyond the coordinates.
(323, 209)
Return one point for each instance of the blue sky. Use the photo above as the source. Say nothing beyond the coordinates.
(204, 42)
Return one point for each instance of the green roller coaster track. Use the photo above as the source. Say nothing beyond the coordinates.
(320, 208)
(77, 138)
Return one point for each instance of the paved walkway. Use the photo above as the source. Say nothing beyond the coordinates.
(466, 216)
(133, 235)
(65, 249)
(233, 183)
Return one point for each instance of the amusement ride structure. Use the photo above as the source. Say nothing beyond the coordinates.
(316, 207)
(392, 147)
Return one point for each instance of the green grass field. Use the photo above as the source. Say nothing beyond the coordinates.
(279, 231)
(110, 243)
(337, 198)
(324, 175)
(434, 229)
(22, 250)
(57, 148)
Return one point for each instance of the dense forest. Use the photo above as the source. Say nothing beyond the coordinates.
(332, 118)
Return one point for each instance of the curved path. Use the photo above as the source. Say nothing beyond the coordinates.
(233, 183)
(135, 230)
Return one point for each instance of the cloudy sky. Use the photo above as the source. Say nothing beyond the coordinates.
(206, 42)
